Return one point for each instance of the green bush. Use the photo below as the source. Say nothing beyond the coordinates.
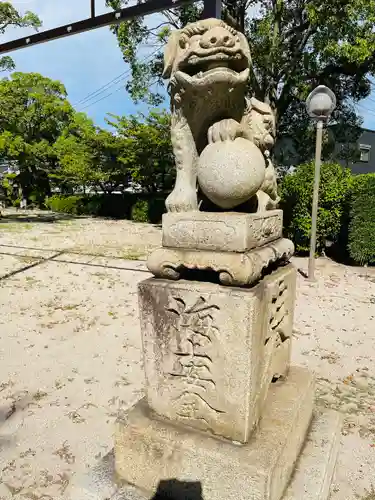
(137, 207)
(362, 220)
(68, 204)
(296, 193)
(139, 211)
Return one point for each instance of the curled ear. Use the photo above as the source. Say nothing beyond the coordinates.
(244, 46)
(170, 51)
(266, 121)
(261, 107)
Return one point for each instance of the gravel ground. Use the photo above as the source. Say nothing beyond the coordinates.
(70, 354)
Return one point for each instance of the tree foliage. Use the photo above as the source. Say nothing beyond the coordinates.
(146, 150)
(295, 44)
(89, 157)
(34, 111)
(9, 16)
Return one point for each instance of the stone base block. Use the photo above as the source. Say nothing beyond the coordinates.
(234, 269)
(311, 479)
(221, 231)
(211, 352)
(149, 451)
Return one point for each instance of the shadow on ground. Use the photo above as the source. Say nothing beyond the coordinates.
(7, 218)
(173, 489)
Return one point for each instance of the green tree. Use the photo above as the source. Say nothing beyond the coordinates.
(113, 171)
(34, 111)
(295, 44)
(89, 158)
(146, 150)
(76, 156)
(9, 16)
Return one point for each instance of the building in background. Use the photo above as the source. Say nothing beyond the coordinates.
(365, 163)
(358, 155)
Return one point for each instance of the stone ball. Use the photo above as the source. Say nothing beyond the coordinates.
(231, 172)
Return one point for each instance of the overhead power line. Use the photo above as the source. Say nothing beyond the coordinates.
(102, 98)
(364, 108)
(110, 84)
(103, 87)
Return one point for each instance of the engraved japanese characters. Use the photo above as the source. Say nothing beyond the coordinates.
(194, 331)
(207, 361)
(221, 139)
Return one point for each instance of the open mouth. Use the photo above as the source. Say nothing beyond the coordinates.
(200, 66)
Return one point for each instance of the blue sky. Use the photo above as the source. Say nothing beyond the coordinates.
(83, 62)
(86, 62)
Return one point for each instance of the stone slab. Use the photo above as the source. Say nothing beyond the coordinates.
(211, 352)
(221, 231)
(233, 268)
(314, 470)
(311, 479)
(148, 450)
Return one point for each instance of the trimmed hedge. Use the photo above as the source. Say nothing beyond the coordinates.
(361, 237)
(131, 206)
(296, 193)
(68, 204)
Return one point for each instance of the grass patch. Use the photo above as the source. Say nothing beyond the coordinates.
(26, 259)
(15, 227)
(39, 395)
(132, 255)
(31, 280)
(66, 222)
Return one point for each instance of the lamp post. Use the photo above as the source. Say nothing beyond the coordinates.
(319, 104)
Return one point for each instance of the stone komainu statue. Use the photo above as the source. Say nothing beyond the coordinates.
(221, 139)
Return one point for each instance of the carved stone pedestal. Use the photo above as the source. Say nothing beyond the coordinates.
(238, 247)
(221, 231)
(211, 352)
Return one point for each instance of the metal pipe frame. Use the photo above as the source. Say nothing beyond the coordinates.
(212, 8)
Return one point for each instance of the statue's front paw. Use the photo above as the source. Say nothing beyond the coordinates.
(182, 200)
(224, 130)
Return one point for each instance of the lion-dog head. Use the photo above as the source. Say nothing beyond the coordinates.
(205, 53)
(262, 124)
